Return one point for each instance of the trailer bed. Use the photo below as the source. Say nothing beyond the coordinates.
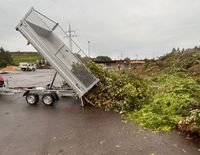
(39, 30)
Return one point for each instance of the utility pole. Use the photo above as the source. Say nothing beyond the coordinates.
(136, 57)
(89, 49)
(121, 56)
(70, 34)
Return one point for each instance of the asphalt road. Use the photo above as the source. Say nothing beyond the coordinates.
(67, 128)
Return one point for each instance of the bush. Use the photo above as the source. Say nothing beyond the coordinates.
(173, 95)
(118, 91)
(5, 58)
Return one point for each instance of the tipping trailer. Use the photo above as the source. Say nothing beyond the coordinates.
(44, 35)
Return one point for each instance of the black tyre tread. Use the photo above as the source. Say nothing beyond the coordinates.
(37, 98)
(50, 94)
(55, 95)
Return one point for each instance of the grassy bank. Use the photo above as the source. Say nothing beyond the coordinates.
(25, 57)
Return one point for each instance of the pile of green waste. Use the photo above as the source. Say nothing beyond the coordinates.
(175, 103)
(161, 103)
(118, 91)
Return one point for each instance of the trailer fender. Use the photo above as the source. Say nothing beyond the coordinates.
(26, 93)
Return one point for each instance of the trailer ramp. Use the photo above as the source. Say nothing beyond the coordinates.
(40, 31)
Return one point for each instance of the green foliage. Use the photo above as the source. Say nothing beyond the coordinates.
(118, 91)
(185, 61)
(25, 57)
(127, 59)
(173, 94)
(102, 58)
(158, 102)
(5, 58)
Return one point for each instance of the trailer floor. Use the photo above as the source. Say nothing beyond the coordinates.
(67, 128)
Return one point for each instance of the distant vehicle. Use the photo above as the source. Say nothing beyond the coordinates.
(24, 66)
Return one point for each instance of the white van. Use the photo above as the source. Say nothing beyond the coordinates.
(24, 66)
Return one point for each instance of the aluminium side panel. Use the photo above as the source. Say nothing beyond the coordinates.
(41, 36)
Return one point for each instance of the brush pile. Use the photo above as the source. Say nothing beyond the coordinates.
(117, 91)
(161, 103)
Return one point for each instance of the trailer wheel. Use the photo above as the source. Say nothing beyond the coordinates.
(55, 95)
(32, 99)
(48, 99)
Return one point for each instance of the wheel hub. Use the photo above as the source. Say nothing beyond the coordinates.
(31, 99)
(47, 99)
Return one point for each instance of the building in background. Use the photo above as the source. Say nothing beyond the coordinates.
(120, 64)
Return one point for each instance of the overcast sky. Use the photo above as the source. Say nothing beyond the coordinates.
(142, 28)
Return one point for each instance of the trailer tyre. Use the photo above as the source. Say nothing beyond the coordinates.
(55, 95)
(48, 99)
(32, 99)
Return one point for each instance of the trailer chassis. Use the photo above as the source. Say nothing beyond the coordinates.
(49, 94)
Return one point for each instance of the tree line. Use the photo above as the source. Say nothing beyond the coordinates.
(5, 58)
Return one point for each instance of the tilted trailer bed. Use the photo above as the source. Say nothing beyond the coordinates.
(41, 32)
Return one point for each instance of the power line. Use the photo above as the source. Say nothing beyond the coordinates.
(89, 49)
(70, 34)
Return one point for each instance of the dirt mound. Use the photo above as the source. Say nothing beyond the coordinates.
(9, 69)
